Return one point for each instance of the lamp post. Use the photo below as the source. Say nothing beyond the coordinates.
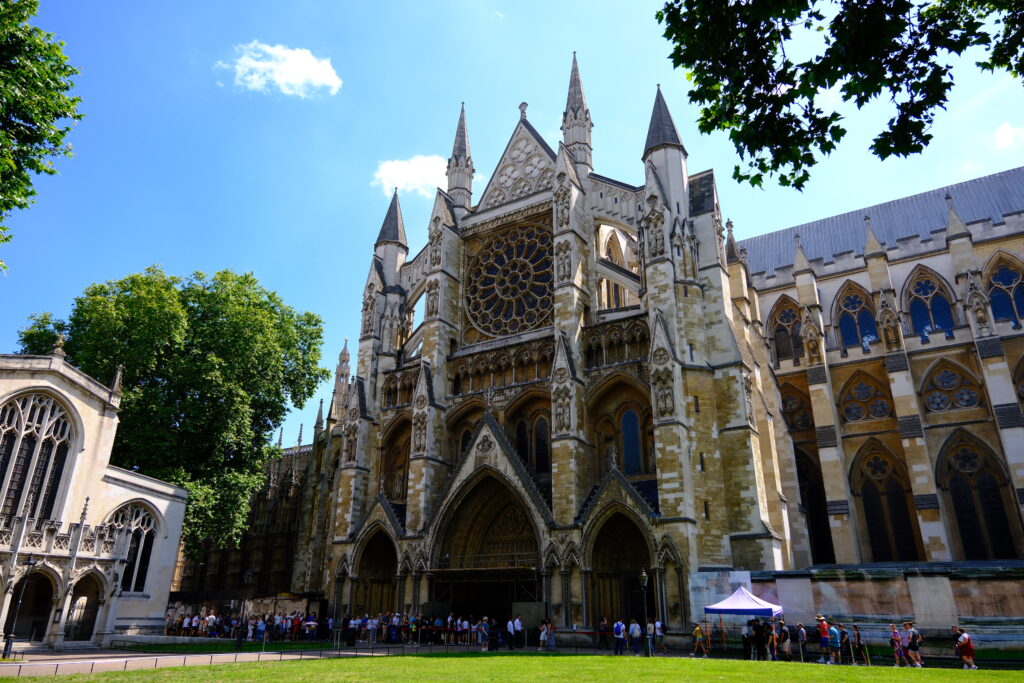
(9, 636)
(643, 601)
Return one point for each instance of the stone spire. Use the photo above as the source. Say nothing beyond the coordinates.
(800, 261)
(871, 244)
(576, 123)
(319, 424)
(460, 165)
(341, 385)
(954, 224)
(393, 228)
(118, 379)
(662, 130)
(300, 435)
(280, 438)
(732, 252)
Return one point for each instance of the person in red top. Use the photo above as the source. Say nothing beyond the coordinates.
(823, 639)
(965, 647)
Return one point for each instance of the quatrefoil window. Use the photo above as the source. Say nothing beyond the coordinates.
(949, 388)
(509, 288)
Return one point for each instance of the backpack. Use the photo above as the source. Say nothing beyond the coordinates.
(618, 629)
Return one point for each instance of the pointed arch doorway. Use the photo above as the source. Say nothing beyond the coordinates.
(619, 553)
(489, 560)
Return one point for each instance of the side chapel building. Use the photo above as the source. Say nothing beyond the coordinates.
(605, 380)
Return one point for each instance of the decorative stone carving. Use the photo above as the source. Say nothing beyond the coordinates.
(660, 356)
(654, 222)
(563, 260)
(748, 395)
(369, 306)
(432, 298)
(436, 237)
(485, 445)
(561, 375)
(563, 411)
(421, 402)
(419, 433)
(889, 322)
(612, 457)
(661, 381)
(810, 332)
(350, 443)
(562, 196)
(976, 302)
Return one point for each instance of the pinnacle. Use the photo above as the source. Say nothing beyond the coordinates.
(460, 150)
(576, 102)
(662, 130)
(393, 228)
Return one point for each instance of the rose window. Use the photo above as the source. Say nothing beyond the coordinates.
(509, 288)
(948, 389)
(865, 401)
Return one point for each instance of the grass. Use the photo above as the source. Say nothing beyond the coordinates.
(515, 667)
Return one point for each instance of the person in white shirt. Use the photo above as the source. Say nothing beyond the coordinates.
(659, 636)
(510, 634)
(371, 626)
(518, 624)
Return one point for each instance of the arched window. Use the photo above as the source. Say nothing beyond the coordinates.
(467, 437)
(979, 496)
(948, 387)
(541, 447)
(523, 441)
(855, 317)
(138, 523)
(785, 329)
(395, 462)
(928, 302)
(632, 447)
(864, 398)
(796, 408)
(35, 435)
(883, 486)
(1006, 291)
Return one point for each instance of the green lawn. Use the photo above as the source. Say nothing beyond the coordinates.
(487, 667)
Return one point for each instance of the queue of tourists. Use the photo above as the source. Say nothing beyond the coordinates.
(827, 642)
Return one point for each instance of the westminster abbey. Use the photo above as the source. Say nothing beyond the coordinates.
(579, 377)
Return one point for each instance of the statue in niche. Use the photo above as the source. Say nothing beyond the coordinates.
(563, 410)
(562, 196)
(612, 457)
(419, 433)
(432, 298)
(662, 381)
(563, 256)
(653, 222)
(435, 243)
(890, 324)
(811, 335)
(977, 303)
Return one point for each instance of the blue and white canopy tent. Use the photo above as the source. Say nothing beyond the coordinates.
(743, 602)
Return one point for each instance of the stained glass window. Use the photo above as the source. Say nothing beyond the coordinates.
(35, 435)
(796, 409)
(928, 305)
(138, 522)
(631, 447)
(948, 388)
(785, 328)
(1006, 292)
(864, 399)
(979, 492)
(885, 498)
(856, 318)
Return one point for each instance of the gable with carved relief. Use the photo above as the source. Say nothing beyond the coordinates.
(526, 167)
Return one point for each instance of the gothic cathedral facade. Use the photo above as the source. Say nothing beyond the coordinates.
(579, 378)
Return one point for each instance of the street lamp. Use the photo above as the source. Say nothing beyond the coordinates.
(643, 600)
(9, 636)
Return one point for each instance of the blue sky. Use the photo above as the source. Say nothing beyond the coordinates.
(187, 162)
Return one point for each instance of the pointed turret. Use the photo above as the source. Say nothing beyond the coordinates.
(300, 435)
(576, 123)
(872, 247)
(460, 165)
(800, 262)
(319, 416)
(732, 254)
(280, 438)
(341, 384)
(393, 228)
(954, 223)
(662, 130)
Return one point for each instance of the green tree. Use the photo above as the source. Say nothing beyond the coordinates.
(739, 56)
(35, 110)
(210, 365)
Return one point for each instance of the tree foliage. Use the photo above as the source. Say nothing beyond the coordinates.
(36, 111)
(740, 56)
(210, 365)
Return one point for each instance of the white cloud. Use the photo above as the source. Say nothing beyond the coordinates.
(292, 71)
(421, 174)
(500, 15)
(1007, 136)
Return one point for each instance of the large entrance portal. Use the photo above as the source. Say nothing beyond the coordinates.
(85, 603)
(489, 555)
(618, 556)
(374, 589)
(36, 604)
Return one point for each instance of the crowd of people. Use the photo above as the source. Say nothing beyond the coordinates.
(260, 628)
(761, 640)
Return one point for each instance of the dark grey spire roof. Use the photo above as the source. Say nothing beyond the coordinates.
(989, 197)
(393, 229)
(662, 130)
(460, 150)
(576, 102)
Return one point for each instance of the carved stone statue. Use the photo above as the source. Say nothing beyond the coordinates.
(563, 258)
(811, 335)
(436, 237)
(976, 301)
(663, 395)
(563, 411)
(432, 298)
(419, 433)
(889, 323)
(612, 457)
(369, 306)
(654, 221)
(562, 196)
(748, 395)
